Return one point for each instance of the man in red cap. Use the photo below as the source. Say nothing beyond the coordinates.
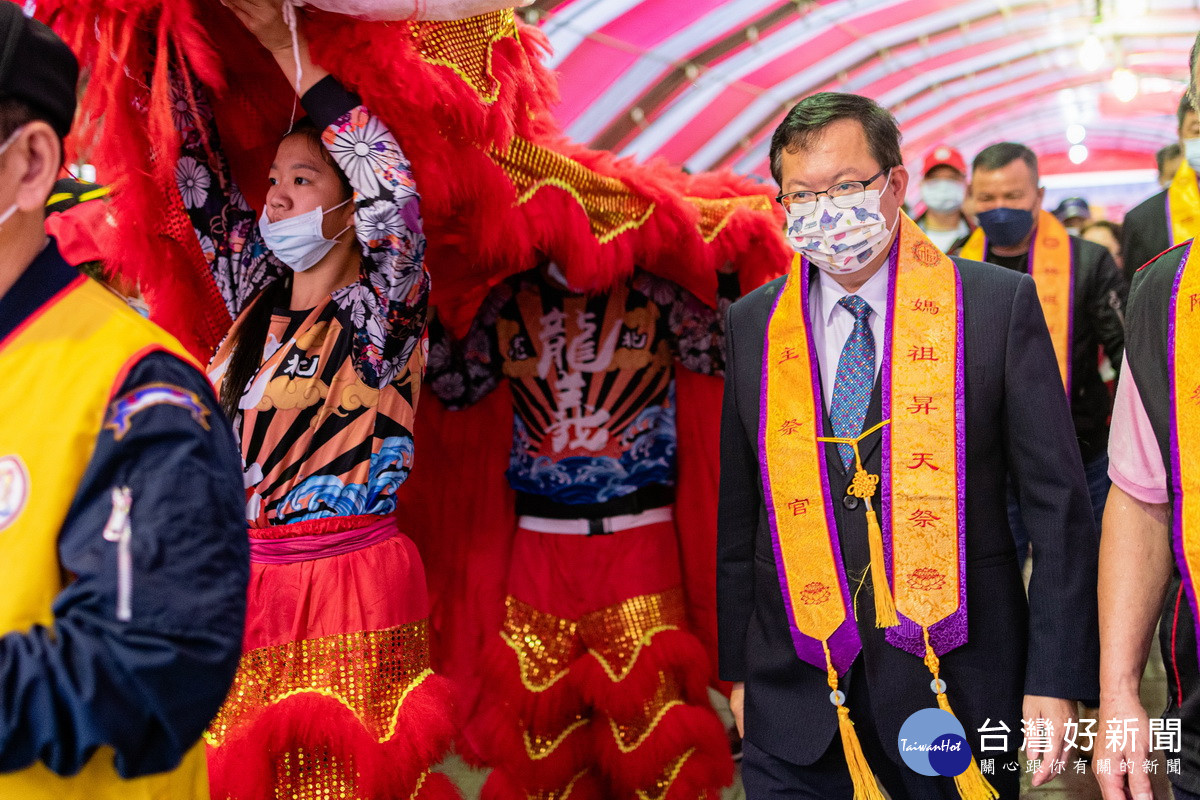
(943, 190)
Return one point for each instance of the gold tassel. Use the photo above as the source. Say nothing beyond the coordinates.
(865, 785)
(971, 784)
(885, 606)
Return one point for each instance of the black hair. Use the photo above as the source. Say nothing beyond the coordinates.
(1195, 54)
(1185, 108)
(1001, 154)
(246, 350)
(246, 356)
(1165, 154)
(1111, 227)
(308, 129)
(812, 114)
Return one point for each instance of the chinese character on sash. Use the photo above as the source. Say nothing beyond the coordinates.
(922, 518)
(922, 354)
(921, 405)
(922, 460)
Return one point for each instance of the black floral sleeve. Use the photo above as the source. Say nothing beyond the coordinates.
(697, 330)
(388, 305)
(461, 373)
(225, 225)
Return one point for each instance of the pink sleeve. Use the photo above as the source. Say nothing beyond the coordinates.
(1134, 459)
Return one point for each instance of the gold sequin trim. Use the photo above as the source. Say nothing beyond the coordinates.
(539, 747)
(664, 784)
(616, 635)
(715, 213)
(369, 672)
(544, 644)
(612, 208)
(631, 734)
(307, 776)
(559, 794)
(417, 789)
(465, 46)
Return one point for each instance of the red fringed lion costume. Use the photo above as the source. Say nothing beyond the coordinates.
(469, 103)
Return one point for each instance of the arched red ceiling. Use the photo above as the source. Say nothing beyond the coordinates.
(704, 82)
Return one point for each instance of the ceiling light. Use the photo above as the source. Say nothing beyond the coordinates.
(1076, 133)
(1078, 154)
(1091, 53)
(1124, 84)
(1131, 9)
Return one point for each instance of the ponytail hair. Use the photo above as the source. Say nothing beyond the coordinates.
(247, 348)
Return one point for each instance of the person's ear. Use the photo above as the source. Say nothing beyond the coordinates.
(1041, 197)
(32, 163)
(898, 183)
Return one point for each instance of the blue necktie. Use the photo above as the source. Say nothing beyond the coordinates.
(855, 378)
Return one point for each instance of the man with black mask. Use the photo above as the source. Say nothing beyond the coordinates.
(1080, 288)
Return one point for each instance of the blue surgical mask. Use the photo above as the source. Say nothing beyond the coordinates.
(299, 241)
(943, 194)
(1006, 226)
(1191, 153)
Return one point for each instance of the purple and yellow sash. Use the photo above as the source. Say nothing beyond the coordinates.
(918, 556)
(1183, 205)
(1183, 368)
(1053, 270)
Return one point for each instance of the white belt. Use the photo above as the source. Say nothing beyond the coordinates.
(585, 527)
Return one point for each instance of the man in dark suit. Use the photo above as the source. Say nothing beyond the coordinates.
(1008, 199)
(1146, 229)
(1018, 662)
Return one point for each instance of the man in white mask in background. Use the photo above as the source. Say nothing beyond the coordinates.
(942, 193)
(1172, 216)
(876, 399)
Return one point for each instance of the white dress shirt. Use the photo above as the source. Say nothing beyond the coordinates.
(832, 324)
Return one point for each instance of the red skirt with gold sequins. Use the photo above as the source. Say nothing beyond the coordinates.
(595, 687)
(334, 696)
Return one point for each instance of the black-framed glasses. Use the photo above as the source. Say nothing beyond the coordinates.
(845, 194)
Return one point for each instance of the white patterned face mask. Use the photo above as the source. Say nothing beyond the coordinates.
(841, 240)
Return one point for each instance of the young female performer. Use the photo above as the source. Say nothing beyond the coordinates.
(320, 374)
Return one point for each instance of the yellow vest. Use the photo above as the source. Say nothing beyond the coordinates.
(60, 370)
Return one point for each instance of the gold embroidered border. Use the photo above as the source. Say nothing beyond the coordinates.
(611, 206)
(543, 643)
(663, 785)
(559, 794)
(715, 213)
(630, 734)
(370, 673)
(539, 747)
(465, 46)
(617, 635)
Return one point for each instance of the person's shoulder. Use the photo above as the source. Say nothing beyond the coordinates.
(981, 274)
(1152, 206)
(760, 300)
(1157, 276)
(1088, 252)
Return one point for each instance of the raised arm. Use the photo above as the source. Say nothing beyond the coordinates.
(223, 222)
(388, 305)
